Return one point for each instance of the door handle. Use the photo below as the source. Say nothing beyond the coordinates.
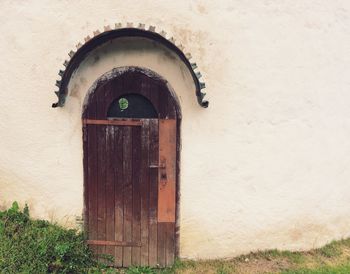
(157, 166)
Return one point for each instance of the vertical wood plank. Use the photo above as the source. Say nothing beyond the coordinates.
(111, 90)
(119, 203)
(153, 192)
(136, 178)
(166, 244)
(92, 184)
(101, 190)
(144, 174)
(127, 176)
(167, 175)
(110, 185)
(154, 97)
(91, 170)
(163, 102)
(86, 178)
(161, 244)
(170, 243)
(101, 175)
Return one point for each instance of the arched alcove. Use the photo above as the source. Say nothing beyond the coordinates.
(131, 51)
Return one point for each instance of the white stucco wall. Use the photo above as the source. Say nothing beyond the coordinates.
(265, 166)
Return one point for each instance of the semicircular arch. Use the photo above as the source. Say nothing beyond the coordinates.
(101, 38)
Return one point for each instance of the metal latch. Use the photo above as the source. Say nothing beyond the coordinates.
(157, 166)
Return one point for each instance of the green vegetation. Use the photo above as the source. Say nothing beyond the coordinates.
(340, 269)
(37, 246)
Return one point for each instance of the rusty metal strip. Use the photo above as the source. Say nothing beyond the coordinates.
(167, 174)
(112, 243)
(113, 122)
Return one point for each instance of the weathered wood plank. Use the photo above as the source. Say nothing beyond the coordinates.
(163, 102)
(110, 189)
(162, 244)
(170, 243)
(86, 178)
(136, 197)
(113, 122)
(92, 184)
(144, 174)
(112, 243)
(127, 176)
(119, 189)
(153, 193)
(101, 189)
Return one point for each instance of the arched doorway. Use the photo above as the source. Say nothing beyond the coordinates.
(131, 123)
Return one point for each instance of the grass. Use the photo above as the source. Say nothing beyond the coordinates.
(340, 269)
(333, 258)
(37, 246)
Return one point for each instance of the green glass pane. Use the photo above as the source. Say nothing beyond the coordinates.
(123, 103)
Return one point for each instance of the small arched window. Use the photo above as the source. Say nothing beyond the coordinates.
(131, 106)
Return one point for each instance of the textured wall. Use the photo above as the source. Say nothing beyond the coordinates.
(265, 166)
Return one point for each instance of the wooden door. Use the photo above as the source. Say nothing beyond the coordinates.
(130, 169)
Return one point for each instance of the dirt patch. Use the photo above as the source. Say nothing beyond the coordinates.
(256, 266)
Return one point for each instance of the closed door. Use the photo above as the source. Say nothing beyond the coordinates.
(130, 169)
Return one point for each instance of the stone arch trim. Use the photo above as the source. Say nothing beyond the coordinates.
(118, 31)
